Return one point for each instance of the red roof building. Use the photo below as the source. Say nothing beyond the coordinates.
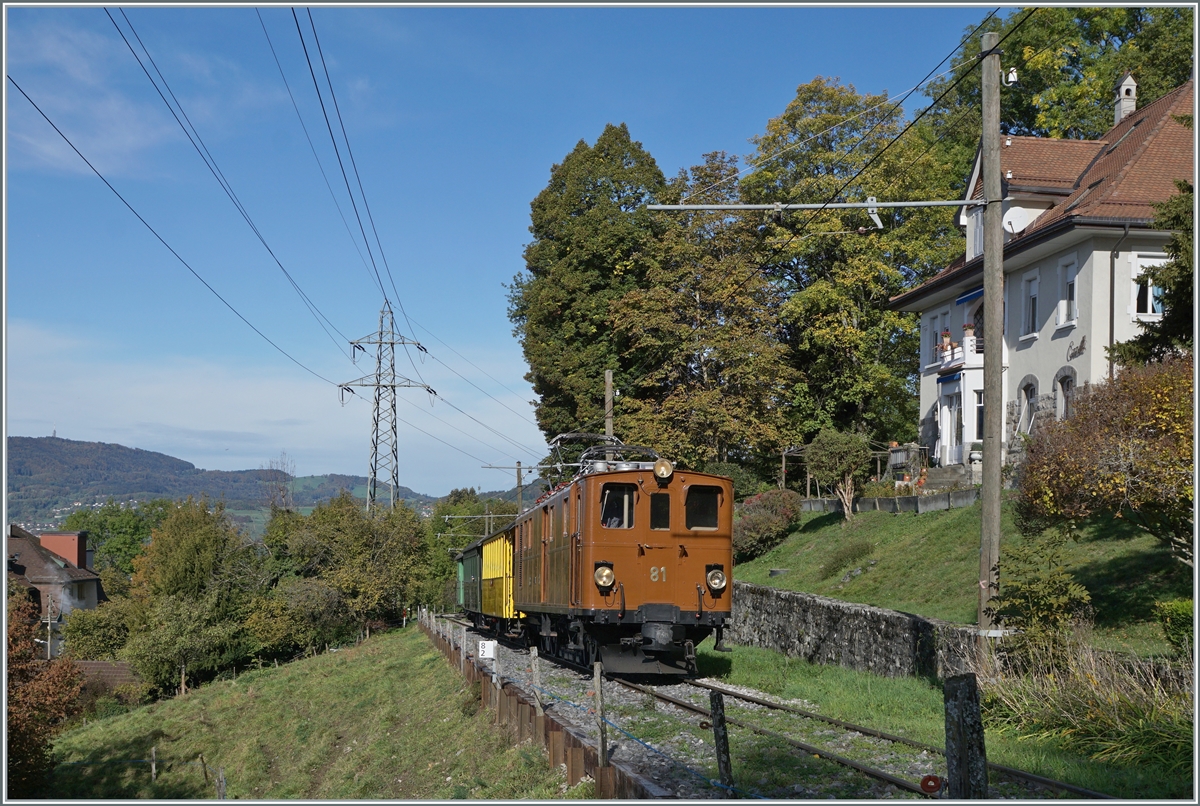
(1079, 232)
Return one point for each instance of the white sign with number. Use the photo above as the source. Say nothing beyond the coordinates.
(487, 649)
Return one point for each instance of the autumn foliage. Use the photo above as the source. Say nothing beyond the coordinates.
(41, 695)
(1126, 449)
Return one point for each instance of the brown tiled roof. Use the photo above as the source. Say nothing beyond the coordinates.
(1043, 163)
(1149, 150)
(40, 564)
(1117, 178)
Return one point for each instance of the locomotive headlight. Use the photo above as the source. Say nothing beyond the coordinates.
(604, 577)
(663, 469)
(716, 579)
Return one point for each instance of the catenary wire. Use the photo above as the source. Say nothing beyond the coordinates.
(211, 163)
(974, 64)
(902, 96)
(161, 240)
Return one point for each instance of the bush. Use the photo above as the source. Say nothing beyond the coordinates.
(766, 519)
(1178, 620)
(1038, 596)
(846, 555)
(745, 482)
(881, 489)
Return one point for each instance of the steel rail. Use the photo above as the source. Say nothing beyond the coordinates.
(1012, 771)
(808, 748)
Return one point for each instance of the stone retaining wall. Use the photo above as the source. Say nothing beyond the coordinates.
(954, 499)
(861, 637)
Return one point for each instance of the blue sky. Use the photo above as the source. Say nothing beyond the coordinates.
(455, 117)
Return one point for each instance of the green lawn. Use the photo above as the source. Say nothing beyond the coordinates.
(386, 719)
(929, 565)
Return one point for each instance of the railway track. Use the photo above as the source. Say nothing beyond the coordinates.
(793, 751)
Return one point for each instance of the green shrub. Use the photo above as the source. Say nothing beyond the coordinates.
(765, 520)
(1038, 596)
(845, 556)
(107, 706)
(1178, 620)
(881, 489)
(745, 482)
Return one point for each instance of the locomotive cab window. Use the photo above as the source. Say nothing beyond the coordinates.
(616, 506)
(660, 511)
(701, 507)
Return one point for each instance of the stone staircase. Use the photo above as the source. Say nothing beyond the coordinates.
(950, 477)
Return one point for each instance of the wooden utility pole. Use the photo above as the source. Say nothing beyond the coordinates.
(608, 410)
(520, 482)
(993, 331)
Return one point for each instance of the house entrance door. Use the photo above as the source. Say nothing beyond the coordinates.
(952, 429)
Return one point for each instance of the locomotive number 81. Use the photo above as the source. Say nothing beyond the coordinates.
(628, 564)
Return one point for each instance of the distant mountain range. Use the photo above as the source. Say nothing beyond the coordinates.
(48, 478)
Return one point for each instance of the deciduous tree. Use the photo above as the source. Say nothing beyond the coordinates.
(118, 532)
(41, 696)
(1125, 449)
(590, 238)
(710, 370)
(855, 359)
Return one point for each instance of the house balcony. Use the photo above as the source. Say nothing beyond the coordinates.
(968, 353)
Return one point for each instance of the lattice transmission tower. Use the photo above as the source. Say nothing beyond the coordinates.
(385, 464)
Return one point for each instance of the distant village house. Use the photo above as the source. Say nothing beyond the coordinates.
(56, 569)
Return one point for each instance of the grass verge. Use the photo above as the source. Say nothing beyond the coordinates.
(385, 719)
(913, 708)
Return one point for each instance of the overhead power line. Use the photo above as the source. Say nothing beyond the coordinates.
(354, 166)
(210, 162)
(311, 146)
(161, 240)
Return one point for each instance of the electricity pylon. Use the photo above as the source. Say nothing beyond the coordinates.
(385, 459)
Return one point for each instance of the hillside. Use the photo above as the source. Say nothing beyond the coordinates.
(48, 475)
(929, 565)
(385, 719)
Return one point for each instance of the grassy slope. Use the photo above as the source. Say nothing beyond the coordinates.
(386, 719)
(929, 565)
(913, 707)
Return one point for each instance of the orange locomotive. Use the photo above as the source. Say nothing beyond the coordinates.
(628, 563)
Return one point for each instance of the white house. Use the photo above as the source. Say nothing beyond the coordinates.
(1078, 234)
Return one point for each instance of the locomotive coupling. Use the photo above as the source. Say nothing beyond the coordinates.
(659, 637)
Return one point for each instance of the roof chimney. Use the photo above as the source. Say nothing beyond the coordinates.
(1126, 97)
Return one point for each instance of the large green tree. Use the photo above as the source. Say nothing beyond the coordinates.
(591, 233)
(710, 370)
(1068, 61)
(834, 271)
(117, 532)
